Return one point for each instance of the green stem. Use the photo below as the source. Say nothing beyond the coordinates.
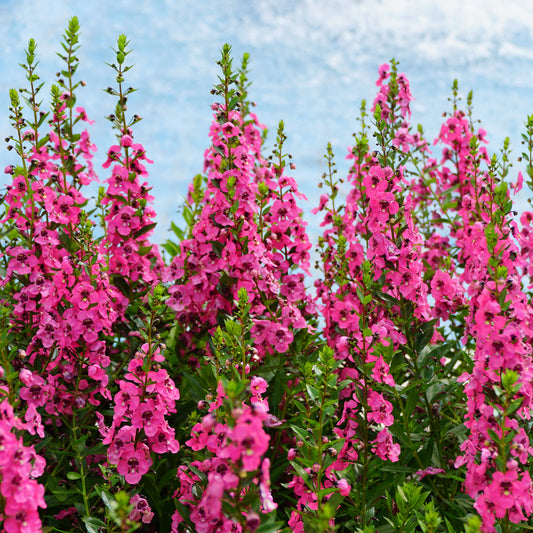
(81, 465)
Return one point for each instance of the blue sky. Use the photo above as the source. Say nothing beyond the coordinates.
(312, 63)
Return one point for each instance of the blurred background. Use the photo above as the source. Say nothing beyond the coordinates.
(312, 61)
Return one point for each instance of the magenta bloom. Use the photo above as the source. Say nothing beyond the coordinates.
(147, 417)
(25, 521)
(248, 442)
(381, 409)
(267, 502)
(385, 448)
(344, 487)
(134, 462)
(258, 386)
(141, 510)
(279, 337)
(503, 491)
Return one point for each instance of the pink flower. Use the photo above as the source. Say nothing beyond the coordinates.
(503, 491)
(279, 337)
(485, 507)
(213, 493)
(148, 418)
(477, 479)
(380, 372)
(134, 462)
(24, 521)
(249, 442)
(83, 295)
(403, 139)
(344, 487)
(141, 510)
(82, 115)
(127, 399)
(23, 261)
(381, 409)
(386, 449)
(383, 71)
(324, 198)
(517, 186)
(295, 523)
(258, 386)
(520, 447)
(382, 205)
(164, 440)
(267, 502)
(126, 141)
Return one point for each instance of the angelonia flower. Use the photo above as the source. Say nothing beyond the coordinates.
(486, 280)
(147, 395)
(128, 215)
(371, 240)
(21, 494)
(68, 313)
(498, 390)
(249, 234)
(141, 510)
(414, 355)
(236, 446)
(62, 296)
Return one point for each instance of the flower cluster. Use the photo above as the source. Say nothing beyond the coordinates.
(65, 304)
(240, 237)
(249, 234)
(61, 296)
(19, 467)
(128, 216)
(372, 268)
(498, 388)
(146, 396)
(237, 445)
(371, 404)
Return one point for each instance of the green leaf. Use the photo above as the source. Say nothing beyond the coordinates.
(64, 494)
(79, 444)
(144, 250)
(514, 406)
(302, 433)
(270, 525)
(412, 400)
(98, 449)
(386, 298)
(69, 244)
(300, 471)
(233, 328)
(366, 299)
(436, 353)
(172, 248)
(493, 435)
(143, 230)
(198, 472)
(424, 335)
(73, 475)
(93, 524)
(313, 393)
(122, 285)
(108, 500)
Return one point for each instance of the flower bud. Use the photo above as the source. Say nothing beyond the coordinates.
(332, 452)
